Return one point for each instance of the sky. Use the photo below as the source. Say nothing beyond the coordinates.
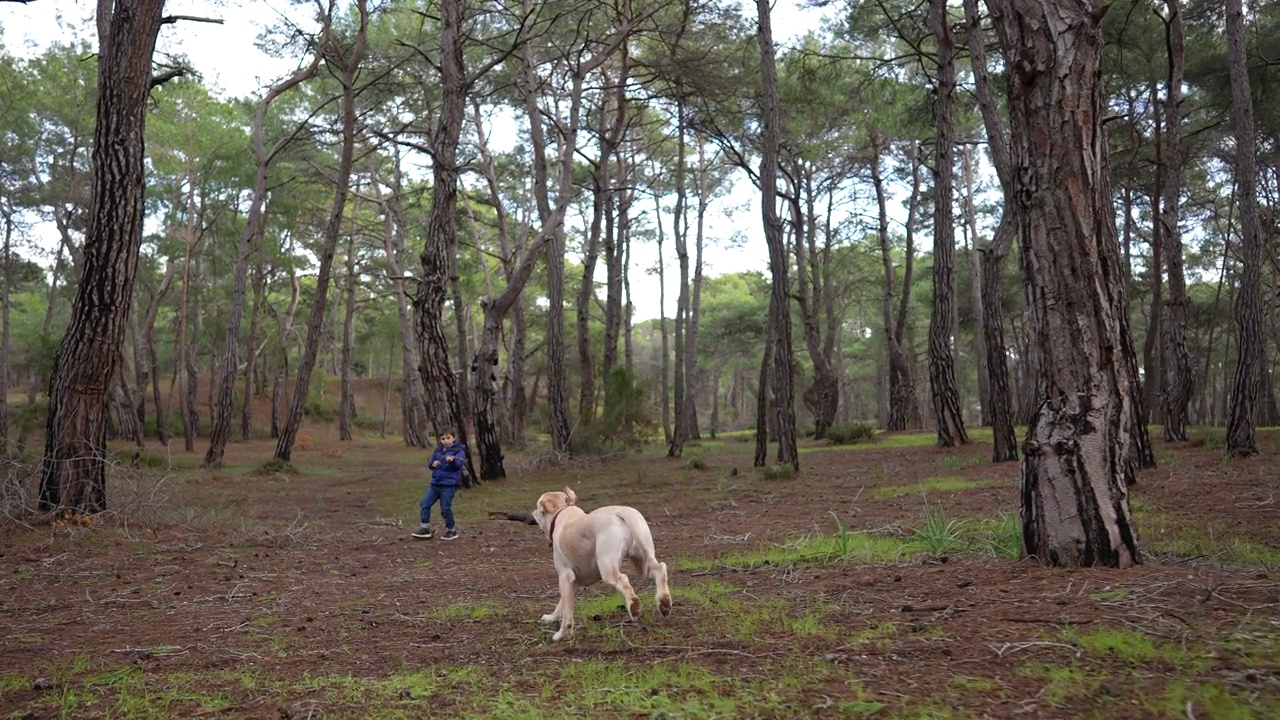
(226, 56)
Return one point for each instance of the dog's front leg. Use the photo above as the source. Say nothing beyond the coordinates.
(565, 608)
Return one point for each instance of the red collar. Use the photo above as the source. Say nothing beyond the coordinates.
(551, 531)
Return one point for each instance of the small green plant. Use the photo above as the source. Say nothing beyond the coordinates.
(941, 536)
(1002, 536)
(276, 465)
(778, 471)
(696, 461)
(846, 434)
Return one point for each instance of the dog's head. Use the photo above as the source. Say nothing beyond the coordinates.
(551, 503)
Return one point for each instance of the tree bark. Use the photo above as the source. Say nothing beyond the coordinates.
(783, 362)
(1179, 381)
(1246, 384)
(73, 473)
(348, 62)
(1077, 460)
(942, 373)
(220, 428)
(999, 401)
(901, 371)
(347, 395)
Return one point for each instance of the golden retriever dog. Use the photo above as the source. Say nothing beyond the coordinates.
(590, 547)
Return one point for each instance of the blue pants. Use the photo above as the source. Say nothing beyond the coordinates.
(443, 493)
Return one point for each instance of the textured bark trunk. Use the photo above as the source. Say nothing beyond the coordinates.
(783, 362)
(901, 371)
(977, 312)
(7, 257)
(1077, 461)
(999, 400)
(680, 242)
(1245, 386)
(1004, 444)
(1179, 383)
(348, 67)
(252, 381)
(224, 384)
(347, 395)
(942, 373)
(73, 473)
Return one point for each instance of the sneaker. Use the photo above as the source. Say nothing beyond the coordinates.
(451, 534)
(424, 532)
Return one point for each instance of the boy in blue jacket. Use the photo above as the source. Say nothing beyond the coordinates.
(446, 472)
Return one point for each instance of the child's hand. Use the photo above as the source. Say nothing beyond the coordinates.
(448, 458)
(435, 464)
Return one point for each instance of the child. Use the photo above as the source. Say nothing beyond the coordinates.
(446, 472)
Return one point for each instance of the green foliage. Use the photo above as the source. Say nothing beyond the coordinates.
(846, 434)
(940, 535)
(625, 422)
(778, 471)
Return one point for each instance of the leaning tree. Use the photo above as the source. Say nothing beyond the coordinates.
(73, 474)
(1077, 460)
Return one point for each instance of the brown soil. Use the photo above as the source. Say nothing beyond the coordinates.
(212, 575)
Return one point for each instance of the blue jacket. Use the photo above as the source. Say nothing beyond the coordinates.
(450, 471)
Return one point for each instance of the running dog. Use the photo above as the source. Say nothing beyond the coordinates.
(590, 547)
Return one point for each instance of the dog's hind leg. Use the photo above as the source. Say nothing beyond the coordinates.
(658, 572)
(565, 606)
(611, 572)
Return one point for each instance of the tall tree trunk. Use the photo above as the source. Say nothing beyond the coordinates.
(1077, 462)
(680, 241)
(1151, 365)
(347, 396)
(976, 312)
(783, 362)
(6, 256)
(942, 373)
(1246, 385)
(412, 403)
(220, 428)
(255, 352)
(1179, 383)
(691, 375)
(73, 474)
(902, 392)
(438, 381)
(999, 402)
(347, 62)
(665, 384)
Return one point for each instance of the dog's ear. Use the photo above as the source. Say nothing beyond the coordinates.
(570, 495)
(546, 504)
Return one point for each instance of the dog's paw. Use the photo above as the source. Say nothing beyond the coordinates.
(562, 634)
(549, 618)
(664, 606)
(633, 610)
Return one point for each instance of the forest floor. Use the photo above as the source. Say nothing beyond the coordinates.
(879, 582)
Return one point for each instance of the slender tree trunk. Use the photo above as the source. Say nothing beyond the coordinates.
(901, 366)
(255, 351)
(942, 374)
(224, 390)
(347, 62)
(1179, 383)
(783, 368)
(6, 293)
(662, 327)
(691, 375)
(976, 312)
(1077, 462)
(347, 397)
(73, 474)
(1246, 385)
(999, 401)
(680, 240)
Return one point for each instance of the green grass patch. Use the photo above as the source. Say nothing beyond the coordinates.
(933, 484)
(471, 612)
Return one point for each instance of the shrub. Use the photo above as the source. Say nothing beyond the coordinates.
(778, 471)
(695, 461)
(845, 434)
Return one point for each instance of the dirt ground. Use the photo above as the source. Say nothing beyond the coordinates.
(250, 595)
